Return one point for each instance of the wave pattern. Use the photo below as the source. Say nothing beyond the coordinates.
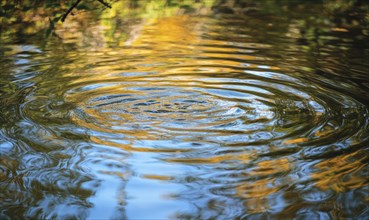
(212, 125)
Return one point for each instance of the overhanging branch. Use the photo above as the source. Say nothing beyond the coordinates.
(70, 9)
(104, 3)
(75, 5)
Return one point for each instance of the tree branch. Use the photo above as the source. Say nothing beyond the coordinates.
(104, 3)
(70, 9)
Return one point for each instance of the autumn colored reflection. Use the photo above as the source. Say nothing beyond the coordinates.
(341, 173)
(184, 109)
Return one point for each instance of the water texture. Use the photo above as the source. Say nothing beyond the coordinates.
(187, 110)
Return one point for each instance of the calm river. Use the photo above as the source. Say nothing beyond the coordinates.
(185, 110)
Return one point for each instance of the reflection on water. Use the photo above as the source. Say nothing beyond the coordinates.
(195, 110)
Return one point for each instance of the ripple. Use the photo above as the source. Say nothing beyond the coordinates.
(240, 115)
(285, 106)
(240, 118)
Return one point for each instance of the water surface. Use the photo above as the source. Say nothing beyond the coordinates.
(186, 110)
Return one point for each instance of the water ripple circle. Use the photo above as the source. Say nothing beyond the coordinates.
(260, 106)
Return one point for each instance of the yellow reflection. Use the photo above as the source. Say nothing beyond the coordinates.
(270, 167)
(340, 173)
(176, 29)
(213, 160)
(259, 188)
(325, 131)
(130, 148)
(158, 40)
(157, 177)
(256, 192)
(257, 205)
(295, 141)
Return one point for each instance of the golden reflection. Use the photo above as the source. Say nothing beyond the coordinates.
(325, 131)
(340, 173)
(157, 177)
(259, 188)
(109, 71)
(256, 192)
(270, 167)
(142, 73)
(213, 160)
(257, 205)
(130, 148)
(295, 141)
(169, 23)
(176, 29)
(78, 29)
(321, 133)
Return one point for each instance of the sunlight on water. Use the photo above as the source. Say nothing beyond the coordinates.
(195, 110)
